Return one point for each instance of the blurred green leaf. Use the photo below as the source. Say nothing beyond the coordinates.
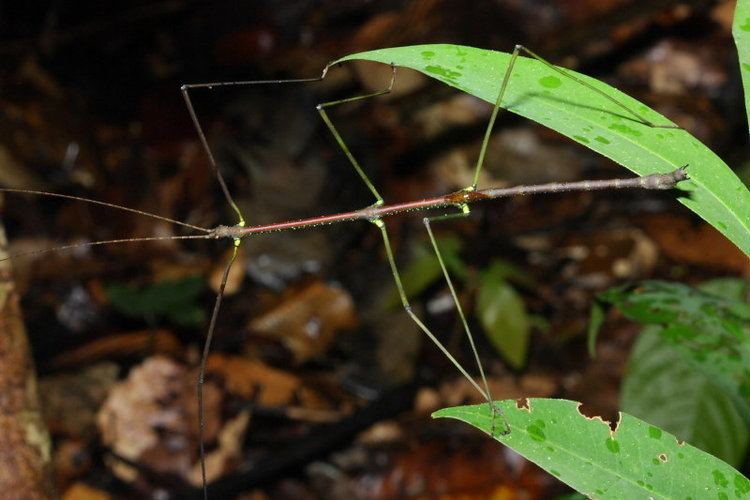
(710, 331)
(424, 268)
(596, 318)
(502, 314)
(662, 388)
(174, 300)
(741, 33)
(729, 288)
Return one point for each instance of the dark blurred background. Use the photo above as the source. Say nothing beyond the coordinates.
(320, 386)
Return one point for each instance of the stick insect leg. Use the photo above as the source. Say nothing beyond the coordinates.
(407, 306)
(637, 116)
(202, 369)
(324, 115)
(185, 89)
(504, 85)
(494, 410)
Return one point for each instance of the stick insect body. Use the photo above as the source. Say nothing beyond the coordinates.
(453, 205)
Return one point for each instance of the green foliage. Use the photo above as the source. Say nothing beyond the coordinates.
(663, 388)
(691, 371)
(596, 316)
(500, 309)
(710, 331)
(502, 313)
(537, 92)
(741, 33)
(174, 300)
(638, 460)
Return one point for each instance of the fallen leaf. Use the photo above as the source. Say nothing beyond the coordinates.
(151, 418)
(307, 320)
(267, 386)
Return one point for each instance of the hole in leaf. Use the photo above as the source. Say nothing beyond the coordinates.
(523, 404)
(592, 413)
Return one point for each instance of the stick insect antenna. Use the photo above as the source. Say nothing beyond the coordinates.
(105, 204)
(89, 244)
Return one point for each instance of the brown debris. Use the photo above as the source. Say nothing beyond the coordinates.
(307, 320)
(695, 243)
(118, 346)
(267, 386)
(70, 401)
(151, 418)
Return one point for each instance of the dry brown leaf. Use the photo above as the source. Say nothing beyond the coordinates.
(236, 273)
(697, 244)
(226, 456)
(151, 418)
(251, 379)
(118, 345)
(82, 491)
(307, 321)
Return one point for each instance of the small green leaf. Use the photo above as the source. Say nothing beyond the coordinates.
(661, 387)
(741, 33)
(536, 92)
(596, 318)
(638, 460)
(502, 314)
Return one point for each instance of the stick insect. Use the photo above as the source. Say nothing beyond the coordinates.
(450, 206)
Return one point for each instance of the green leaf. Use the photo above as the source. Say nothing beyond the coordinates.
(547, 97)
(638, 460)
(175, 300)
(662, 388)
(596, 318)
(711, 332)
(502, 314)
(741, 33)
(729, 288)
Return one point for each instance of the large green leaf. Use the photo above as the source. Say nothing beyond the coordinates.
(711, 332)
(741, 33)
(662, 388)
(545, 96)
(638, 460)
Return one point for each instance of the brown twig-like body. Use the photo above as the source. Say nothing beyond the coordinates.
(457, 199)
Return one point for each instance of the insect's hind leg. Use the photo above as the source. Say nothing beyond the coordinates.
(494, 409)
(332, 128)
(484, 391)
